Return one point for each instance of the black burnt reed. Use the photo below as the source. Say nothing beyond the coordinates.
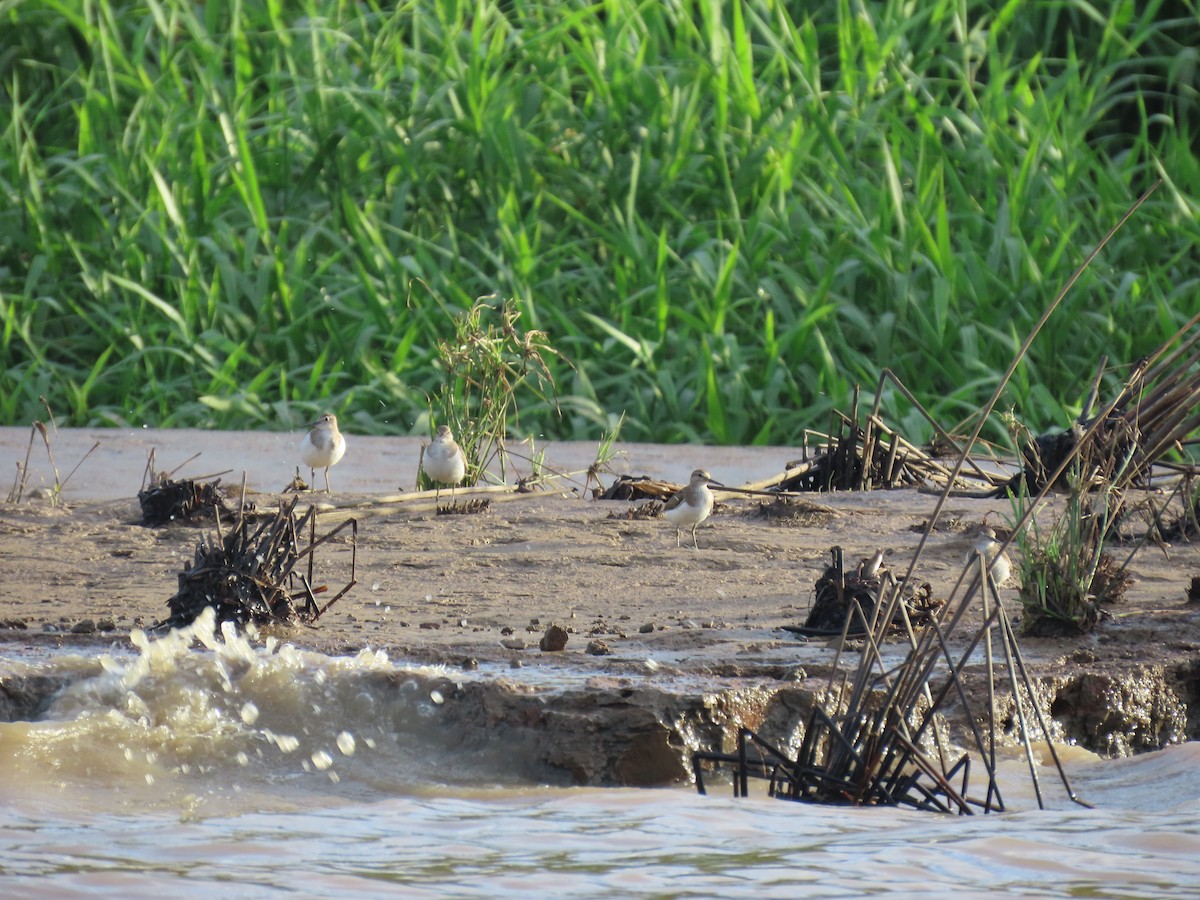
(862, 453)
(166, 500)
(170, 501)
(255, 574)
(875, 735)
(1155, 413)
(839, 591)
(1171, 527)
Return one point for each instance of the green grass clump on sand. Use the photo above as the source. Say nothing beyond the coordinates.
(724, 215)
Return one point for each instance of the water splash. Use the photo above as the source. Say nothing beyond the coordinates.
(202, 714)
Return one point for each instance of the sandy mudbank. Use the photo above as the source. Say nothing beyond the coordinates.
(695, 639)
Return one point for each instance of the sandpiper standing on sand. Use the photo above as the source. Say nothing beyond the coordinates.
(987, 545)
(444, 461)
(322, 446)
(691, 506)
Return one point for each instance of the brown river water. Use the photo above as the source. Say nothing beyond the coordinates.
(221, 767)
(242, 770)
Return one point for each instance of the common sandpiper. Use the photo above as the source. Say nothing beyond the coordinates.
(691, 506)
(322, 446)
(444, 462)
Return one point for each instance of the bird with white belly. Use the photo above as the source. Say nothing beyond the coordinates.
(443, 461)
(322, 446)
(691, 506)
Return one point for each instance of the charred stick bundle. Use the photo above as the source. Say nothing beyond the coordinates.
(911, 779)
(1156, 411)
(853, 459)
(254, 576)
(168, 501)
(875, 737)
(840, 593)
(857, 458)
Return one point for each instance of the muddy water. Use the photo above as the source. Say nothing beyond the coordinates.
(232, 769)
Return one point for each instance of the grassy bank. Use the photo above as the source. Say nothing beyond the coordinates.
(725, 215)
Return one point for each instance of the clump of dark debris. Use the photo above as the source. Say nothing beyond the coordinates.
(792, 511)
(651, 509)
(465, 507)
(256, 574)
(637, 487)
(1147, 423)
(168, 501)
(837, 591)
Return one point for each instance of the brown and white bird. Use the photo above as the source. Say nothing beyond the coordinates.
(444, 461)
(322, 446)
(987, 545)
(691, 506)
(869, 567)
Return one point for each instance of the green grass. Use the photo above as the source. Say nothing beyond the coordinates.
(725, 215)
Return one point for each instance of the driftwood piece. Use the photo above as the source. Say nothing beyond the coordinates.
(639, 487)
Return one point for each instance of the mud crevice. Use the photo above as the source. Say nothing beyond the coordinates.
(1113, 714)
